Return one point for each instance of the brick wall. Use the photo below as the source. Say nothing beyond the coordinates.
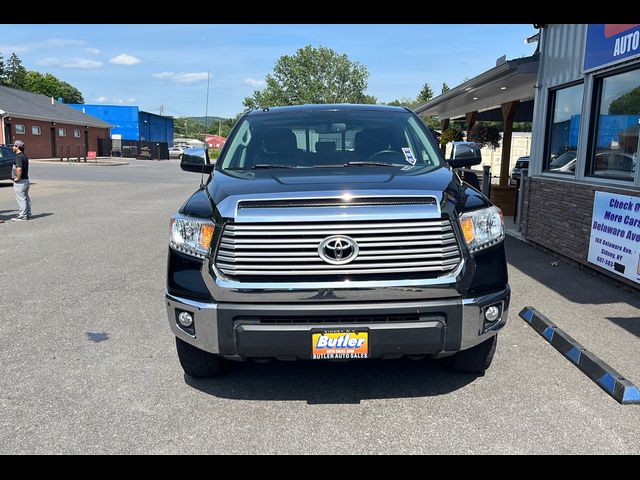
(39, 146)
(557, 215)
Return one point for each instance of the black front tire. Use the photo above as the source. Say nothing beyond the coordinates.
(475, 360)
(198, 363)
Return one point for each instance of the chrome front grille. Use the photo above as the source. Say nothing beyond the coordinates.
(290, 251)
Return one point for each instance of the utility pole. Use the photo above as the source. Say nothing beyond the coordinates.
(206, 110)
(161, 109)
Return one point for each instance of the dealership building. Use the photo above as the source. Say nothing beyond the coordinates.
(582, 196)
(581, 90)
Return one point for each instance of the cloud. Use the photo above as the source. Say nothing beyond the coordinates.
(95, 51)
(7, 49)
(124, 59)
(255, 83)
(116, 101)
(162, 75)
(182, 77)
(81, 63)
(191, 77)
(48, 61)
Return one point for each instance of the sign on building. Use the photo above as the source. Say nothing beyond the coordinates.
(610, 43)
(615, 234)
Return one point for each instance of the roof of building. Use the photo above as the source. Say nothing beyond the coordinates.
(35, 106)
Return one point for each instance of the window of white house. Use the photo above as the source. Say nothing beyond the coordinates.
(20, 129)
(76, 133)
(563, 129)
(62, 132)
(35, 130)
(614, 146)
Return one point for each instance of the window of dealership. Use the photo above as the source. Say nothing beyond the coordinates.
(584, 177)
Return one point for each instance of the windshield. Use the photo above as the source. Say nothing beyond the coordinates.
(317, 139)
(563, 159)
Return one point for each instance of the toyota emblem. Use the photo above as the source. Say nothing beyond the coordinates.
(338, 250)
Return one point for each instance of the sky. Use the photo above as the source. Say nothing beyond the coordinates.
(167, 65)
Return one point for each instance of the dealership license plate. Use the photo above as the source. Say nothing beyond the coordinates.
(340, 344)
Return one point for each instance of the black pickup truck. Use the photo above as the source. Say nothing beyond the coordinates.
(332, 232)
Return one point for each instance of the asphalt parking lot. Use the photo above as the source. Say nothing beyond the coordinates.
(89, 363)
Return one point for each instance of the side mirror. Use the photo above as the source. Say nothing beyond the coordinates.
(196, 160)
(465, 154)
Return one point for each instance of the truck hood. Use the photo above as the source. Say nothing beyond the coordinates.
(228, 189)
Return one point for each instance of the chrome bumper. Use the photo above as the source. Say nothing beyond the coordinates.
(217, 332)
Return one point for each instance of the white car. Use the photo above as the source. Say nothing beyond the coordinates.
(176, 152)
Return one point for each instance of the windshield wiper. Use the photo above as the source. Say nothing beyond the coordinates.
(371, 164)
(265, 166)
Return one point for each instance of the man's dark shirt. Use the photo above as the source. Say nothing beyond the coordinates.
(22, 162)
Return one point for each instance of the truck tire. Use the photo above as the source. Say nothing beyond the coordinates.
(198, 363)
(474, 360)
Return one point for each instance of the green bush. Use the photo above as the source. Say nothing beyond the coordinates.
(453, 133)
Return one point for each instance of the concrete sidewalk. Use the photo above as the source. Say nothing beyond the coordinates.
(100, 161)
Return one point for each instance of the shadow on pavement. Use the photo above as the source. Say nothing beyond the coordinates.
(8, 214)
(631, 325)
(571, 282)
(575, 285)
(332, 383)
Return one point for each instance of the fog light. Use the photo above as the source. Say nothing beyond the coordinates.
(492, 314)
(185, 319)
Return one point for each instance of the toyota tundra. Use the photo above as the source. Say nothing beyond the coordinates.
(333, 232)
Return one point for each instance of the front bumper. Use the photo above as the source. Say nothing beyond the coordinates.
(429, 327)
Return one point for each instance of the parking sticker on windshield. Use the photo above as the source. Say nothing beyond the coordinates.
(408, 156)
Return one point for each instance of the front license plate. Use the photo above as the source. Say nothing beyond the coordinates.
(333, 344)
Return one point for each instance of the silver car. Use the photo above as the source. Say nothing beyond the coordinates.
(176, 152)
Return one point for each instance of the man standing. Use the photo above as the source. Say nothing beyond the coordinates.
(20, 175)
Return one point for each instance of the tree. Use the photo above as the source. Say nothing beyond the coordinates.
(445, 87)
(313, 75)
(627, 104)
(2, 71)
(15, 73)
(425, 94)
(51, 86)
(403, 102)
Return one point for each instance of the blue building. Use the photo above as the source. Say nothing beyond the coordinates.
(132, 123)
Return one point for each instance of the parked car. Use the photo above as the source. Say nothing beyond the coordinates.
(521, 164)
(176, 152)
(7, 159)
(565, 163)
(615, 164)
(299, 247)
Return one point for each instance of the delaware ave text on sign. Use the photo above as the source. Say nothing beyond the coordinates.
(615, 234)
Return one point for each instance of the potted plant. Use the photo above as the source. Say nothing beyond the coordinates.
(484, 135)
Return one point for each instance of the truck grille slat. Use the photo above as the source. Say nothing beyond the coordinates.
(282, 251)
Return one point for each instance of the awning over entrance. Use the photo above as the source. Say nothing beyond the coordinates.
(504, 93)
(510, 81)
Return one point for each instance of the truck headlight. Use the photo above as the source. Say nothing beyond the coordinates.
(482, 228)
(191, 235)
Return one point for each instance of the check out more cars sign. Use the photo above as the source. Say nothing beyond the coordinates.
(609, 43)
(615, 234)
